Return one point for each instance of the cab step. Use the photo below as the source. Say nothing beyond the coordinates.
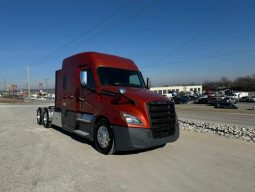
(82, 133)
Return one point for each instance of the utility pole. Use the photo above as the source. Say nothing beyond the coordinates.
(46, 85)
(28, 81)
(40, 86)
(4, 84)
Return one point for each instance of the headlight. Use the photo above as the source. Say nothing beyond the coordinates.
(132, 120)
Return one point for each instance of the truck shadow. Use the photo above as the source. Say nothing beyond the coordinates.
(88, 142)
(74, 136)
(136, 151)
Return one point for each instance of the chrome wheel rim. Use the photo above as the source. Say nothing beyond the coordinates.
(103, 136)
(45, 118)
(38, 116)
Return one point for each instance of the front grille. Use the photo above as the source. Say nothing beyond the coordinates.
(162, 118)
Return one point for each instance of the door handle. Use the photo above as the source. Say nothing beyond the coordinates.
(72, 97)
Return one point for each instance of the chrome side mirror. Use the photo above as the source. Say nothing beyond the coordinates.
(83, 78)
(148, 83)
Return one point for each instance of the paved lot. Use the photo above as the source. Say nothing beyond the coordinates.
(33, 158)
(242, 116)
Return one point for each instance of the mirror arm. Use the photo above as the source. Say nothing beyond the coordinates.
(148, 83)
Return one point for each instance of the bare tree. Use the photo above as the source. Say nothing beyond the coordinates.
(246, 83)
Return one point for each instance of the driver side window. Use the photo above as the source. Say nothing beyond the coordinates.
(90, 79)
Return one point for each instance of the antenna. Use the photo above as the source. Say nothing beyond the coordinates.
(28, 82)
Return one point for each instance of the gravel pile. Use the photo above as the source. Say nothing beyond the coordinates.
(247, 134)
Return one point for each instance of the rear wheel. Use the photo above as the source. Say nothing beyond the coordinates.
(46, 121)
(39, 116)
(104, 138)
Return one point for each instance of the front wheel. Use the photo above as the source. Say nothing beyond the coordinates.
(104, 138)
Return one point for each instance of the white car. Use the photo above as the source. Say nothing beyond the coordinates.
(251, 99)
(244, 99)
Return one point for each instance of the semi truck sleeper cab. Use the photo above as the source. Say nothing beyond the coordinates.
(104, 98)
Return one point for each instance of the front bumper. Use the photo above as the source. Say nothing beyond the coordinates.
(127, 139)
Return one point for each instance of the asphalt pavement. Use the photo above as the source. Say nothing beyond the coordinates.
(243, 116)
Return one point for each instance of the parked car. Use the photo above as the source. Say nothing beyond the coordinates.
(213, 100)
(201, 100)
(239, 95)
(244, 99)
(225, 105)
(229, 100)
(251, 99)
(216, 102)
(181, 100)
(192, 97)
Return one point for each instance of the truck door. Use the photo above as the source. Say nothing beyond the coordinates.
(87, 92)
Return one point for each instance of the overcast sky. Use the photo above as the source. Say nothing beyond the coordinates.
(171, 41)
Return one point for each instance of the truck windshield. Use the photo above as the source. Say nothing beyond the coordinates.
(120, 77)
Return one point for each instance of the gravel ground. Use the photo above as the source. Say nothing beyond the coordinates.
(227, 130)
(33, 158)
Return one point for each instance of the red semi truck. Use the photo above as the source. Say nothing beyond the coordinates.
(104, 98)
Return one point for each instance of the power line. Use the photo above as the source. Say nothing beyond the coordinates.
(106, 30)
(86, 32)
(83, 34)
(204, 58)
(112, 27)
(200, 33)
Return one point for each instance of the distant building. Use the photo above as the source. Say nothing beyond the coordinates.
(178, 89)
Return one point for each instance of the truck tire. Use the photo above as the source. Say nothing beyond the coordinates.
(46, 121)
(104, 138)
(39, 116)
